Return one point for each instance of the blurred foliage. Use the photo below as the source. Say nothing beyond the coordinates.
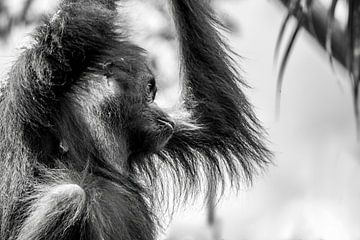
(321, 21)
(9, 20)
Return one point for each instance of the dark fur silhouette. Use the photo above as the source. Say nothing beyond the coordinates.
(82, 144)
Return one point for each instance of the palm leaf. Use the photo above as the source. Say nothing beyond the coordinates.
(341, 44)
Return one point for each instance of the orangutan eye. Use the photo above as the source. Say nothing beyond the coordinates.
(151, 90)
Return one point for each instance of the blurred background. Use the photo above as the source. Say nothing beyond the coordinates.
(313, 189)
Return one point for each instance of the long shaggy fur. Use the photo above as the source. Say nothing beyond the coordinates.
(227, 146)
(81, 160)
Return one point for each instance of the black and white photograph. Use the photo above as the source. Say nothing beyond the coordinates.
(179, 120)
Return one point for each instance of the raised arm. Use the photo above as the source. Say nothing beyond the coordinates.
(224, 138)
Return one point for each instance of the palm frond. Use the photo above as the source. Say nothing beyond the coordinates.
(329, 31)
(353, 54)
(283, 64)
(294, 9)
(340, 44)
(283, 27)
